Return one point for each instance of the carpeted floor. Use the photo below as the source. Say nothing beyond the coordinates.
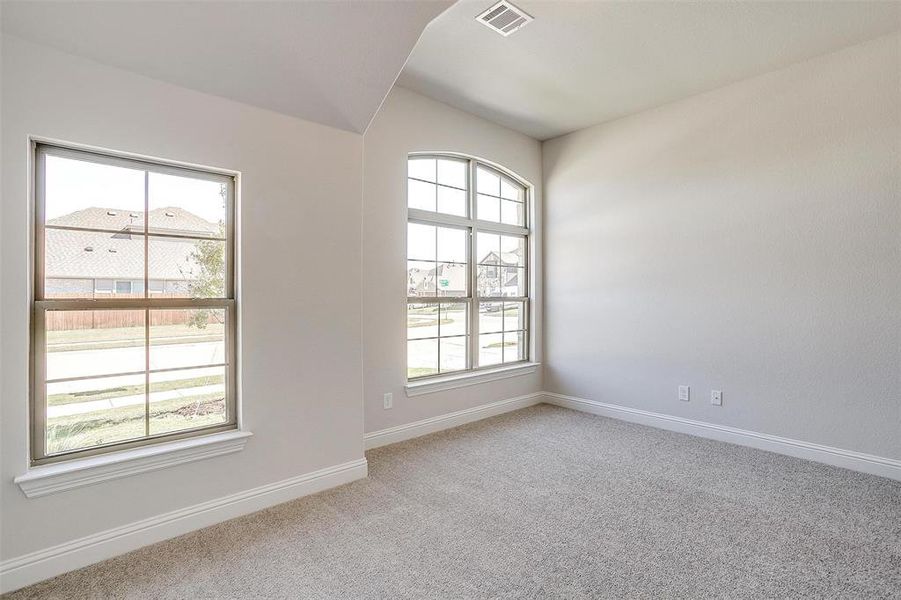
(541, 503)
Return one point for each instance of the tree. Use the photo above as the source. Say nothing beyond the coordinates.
(209, 256)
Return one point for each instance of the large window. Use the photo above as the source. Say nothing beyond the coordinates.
(467, 266)
(134, 309)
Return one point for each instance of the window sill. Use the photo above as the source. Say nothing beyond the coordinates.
(450, 382)
(60, 477)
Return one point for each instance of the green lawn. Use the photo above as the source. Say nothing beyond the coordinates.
(118, 424)
(130, 390)
(125, 337)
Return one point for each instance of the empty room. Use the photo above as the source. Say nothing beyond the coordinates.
(436, 299)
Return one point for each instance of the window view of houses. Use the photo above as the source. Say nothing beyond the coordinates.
(114, 375)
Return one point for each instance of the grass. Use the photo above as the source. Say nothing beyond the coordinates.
(70, 340)
(130, 390)
(420, 372)
(118, 424)
(502, 344)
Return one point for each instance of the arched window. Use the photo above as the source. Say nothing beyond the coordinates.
(467, 266)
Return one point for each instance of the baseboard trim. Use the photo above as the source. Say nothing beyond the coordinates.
(408, 431)
(837, 457)
(43, 564)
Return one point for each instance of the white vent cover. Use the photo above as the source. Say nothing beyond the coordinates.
(504, 18)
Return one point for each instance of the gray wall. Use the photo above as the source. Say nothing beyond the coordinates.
(748, 240)
(300, 202)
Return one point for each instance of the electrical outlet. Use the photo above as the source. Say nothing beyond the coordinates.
(684, 393)
(716, 397)
(388, 401)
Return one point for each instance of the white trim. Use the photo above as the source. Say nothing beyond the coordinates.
(452, 382)
(837, 457)
(40, 565)
(408, 431)
(71, 474)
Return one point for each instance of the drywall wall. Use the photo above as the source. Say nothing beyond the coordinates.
(299, 291)
(745, 240)
(409, 122)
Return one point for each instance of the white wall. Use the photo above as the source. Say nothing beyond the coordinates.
(748, 240)
(300, 203)
(409, 122)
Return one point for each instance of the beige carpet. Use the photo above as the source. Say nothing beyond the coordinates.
(541, 503)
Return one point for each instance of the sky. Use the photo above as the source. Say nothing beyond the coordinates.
(73, 185)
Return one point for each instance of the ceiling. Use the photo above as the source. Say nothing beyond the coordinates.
(326, 61)
(582, 63)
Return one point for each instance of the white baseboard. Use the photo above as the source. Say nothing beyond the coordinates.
(43, 564)
(837, 457)
(409, 431)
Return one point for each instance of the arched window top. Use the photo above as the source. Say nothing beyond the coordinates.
(466, 187)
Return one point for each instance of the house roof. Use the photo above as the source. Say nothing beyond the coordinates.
(169, 219)
(104, 255)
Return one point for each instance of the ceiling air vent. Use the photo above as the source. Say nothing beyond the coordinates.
(504, 18)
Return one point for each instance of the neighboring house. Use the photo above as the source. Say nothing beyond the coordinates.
(101, 262)
(498, 276)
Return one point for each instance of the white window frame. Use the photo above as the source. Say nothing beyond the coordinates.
(473, 371)
(41, 304)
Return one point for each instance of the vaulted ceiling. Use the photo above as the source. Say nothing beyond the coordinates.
(582, 63)
(326, 61)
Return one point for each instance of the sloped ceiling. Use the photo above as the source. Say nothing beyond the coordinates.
(331, 62)
(582, 63)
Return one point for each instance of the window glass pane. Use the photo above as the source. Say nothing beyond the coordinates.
(95, 412)
(422, 358)
(186, 205)
(421, 278)
(490, 349)
(421, 241)
(453, 353)
(192, 268)
(123, 287)
(421, 195)
(75, 259)
(488, 182)
(491, 317)
(489, 208)
(82, 343)
(510, 190)
(514, 316)
(187, 399)
(187, 337)
(512, 213)
(488, 249)
(453, 319)
(513, 281)
(513, 250)
(489, 281)
(451, 201)
(451, 245)
(452, 172)
(93, 195)
(421, 168)
(422, 321)
(451, 279)
(514, 346)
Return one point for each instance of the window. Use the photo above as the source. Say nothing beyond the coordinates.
(467, 266)
(114, 365)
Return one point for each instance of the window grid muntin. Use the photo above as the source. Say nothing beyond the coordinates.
(475, 225)
(41, 304)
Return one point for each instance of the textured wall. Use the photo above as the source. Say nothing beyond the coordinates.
(747, 240)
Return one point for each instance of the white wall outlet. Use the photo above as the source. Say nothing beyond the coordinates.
(716, 397)
(388, 401)
(684, 393)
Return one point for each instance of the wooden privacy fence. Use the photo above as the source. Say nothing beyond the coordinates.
(63, 320)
